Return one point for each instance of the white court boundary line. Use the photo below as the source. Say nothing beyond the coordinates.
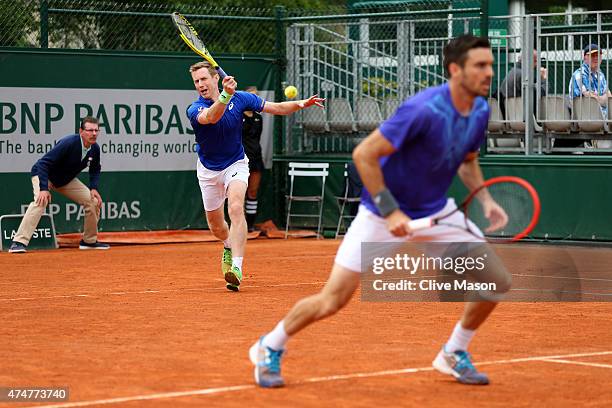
(236, 388)
(209, 289)
(145, 292)
(556, 360)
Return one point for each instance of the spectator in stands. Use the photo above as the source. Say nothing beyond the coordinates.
(512, 86)
(588, 80)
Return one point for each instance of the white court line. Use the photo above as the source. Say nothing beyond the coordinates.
(562, 277)
(208, 391)
(141, 292)
(556, 360)
(556, 291)
(149, 397)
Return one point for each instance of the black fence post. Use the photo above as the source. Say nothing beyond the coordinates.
(44, 24)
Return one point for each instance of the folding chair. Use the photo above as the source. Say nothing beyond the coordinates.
(306, 170)
(556, 114)
(390, 106)
(341, 117)
(350, 196)
(588, 114)
(368, 114)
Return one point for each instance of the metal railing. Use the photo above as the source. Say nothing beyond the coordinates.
(538, 67)
(364, 67)
(404, 56)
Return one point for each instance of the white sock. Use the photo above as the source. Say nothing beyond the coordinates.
(277, 338)
(226, 243)
(460, 339)
(237, 261)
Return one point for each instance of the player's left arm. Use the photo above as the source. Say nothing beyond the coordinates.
(470, 174)
(289, 107)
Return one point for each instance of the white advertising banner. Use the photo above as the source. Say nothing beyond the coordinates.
(141, 129)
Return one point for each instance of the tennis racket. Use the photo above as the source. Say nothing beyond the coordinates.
(518, 199)
(192, 39)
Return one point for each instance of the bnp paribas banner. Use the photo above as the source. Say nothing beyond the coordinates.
(148, 179)
(147, 151)
(141, 130)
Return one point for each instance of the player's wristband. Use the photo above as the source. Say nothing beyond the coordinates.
(224, 98)
(385, 202)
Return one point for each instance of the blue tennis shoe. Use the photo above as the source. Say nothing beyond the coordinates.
(459, 365)
(267, 365)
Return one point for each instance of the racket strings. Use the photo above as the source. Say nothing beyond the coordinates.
(516, 201)
(189, 32)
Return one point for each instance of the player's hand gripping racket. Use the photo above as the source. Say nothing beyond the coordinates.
(192, 39)
(505, 208)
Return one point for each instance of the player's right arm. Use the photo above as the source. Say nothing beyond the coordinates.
(214, 113)
(367, 157)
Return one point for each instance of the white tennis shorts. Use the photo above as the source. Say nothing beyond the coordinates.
(369, 227)
(213, 184)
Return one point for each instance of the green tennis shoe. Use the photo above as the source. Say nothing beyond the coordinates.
(233, 278)
(226, 261)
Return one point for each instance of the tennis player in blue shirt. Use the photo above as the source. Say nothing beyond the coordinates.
(407, 166)
(222, 166)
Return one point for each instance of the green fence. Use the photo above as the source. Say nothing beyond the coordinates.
(145, 26)
(571, 189)
(132, 26)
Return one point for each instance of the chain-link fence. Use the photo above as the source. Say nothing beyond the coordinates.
(120, 25)
(365, 66)
(537, 107)
(132, 26)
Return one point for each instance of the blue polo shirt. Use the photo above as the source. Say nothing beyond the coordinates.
(585, 80)
(432, 140)
(220, 144)
(65, 161)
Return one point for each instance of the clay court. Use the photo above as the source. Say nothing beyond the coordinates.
(153, 325)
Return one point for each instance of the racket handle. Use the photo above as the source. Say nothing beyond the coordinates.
(221, 72)
(420, 223)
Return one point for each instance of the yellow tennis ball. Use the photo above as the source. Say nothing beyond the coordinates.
(291, 92)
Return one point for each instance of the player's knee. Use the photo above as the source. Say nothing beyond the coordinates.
(216, 228)
(501, 277)
(235, 210)
(500, 286)
(504, 283)
(331, 304)
(252, 193)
